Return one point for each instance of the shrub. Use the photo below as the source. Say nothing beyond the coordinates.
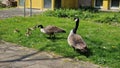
(109, 19)
(84, 14)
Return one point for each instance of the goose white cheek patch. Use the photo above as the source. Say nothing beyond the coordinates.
(76, 19)
(43, 31)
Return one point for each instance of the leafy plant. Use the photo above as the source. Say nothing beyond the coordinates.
(86, 14)
(109, 19)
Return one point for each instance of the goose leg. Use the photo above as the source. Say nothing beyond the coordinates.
(53, 35)
(74, 48)
(50, 36)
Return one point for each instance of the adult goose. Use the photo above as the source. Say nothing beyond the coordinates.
(75, 40)
(16, 30)
(51, 30)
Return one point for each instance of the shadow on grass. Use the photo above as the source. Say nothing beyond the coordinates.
(54, 39)
(23, 58)
(87, 54)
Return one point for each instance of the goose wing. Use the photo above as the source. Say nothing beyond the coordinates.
(54, 29)
(78, 42)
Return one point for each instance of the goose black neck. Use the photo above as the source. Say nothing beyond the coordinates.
(40, 26)
(76, 26)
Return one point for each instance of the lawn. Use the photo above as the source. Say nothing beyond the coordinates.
(101, 38)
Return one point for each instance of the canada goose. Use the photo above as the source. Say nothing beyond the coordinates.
(28, 32)
(34, 27)
(16, 30)
(75, 40)
(51, 30)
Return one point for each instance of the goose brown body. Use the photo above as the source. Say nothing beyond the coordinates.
(76, 41)
(51, 30)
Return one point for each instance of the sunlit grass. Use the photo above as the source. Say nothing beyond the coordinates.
(101, 39)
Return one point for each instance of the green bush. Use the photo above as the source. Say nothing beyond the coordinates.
(69, 13)
(86, 14)
(109, 19)
(61, 13)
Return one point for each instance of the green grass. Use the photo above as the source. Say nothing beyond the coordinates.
(1, 8)
(102, 39)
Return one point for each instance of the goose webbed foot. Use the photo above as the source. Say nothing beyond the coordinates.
(52, 36)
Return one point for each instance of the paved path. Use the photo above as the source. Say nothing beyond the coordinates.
(16, 56)
(6, 13)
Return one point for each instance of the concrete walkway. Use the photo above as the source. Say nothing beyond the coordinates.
(16, 56)
(6, 13)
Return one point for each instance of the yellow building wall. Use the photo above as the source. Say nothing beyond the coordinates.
(17, 2)
(39, 4)
(105, 4)
(69, 3)
(93, 2)
(53, 4)
(27, 3)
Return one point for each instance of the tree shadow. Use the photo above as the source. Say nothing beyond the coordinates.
(56, 38)
(23, 58)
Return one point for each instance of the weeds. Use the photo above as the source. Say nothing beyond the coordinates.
(100, 17)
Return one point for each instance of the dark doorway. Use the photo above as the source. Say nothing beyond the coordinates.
(47, 3)
(98, 3)
(57, 3)
(21, 2)
(114, 3)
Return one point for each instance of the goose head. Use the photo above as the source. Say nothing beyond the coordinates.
(76, 19)
(40, 26)
(83, 49)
